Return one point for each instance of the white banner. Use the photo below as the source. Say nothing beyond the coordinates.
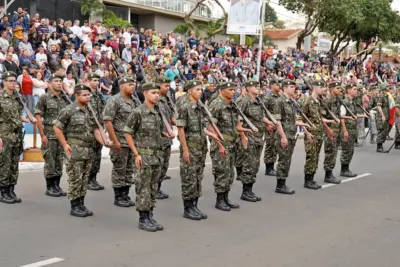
(244, 17)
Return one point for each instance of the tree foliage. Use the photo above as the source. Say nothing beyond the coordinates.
(270, 14)
(279, 24)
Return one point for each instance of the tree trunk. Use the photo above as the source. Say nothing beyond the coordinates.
(300, 40)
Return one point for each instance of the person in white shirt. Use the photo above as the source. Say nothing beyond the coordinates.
(4, 43)
(25, 45)
(69, 84)
(76, 33)
(127, 37)
(41, 57)
(86, 30)
(127, 53)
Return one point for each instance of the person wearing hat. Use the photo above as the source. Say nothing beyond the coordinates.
(10, 138)
(143, 132)
(285, 138)
(223, 153)
(47, 110)
(270, 153)
(382, 117)
(167, 107)
(98, 103)
(348, 131)
(360, 121)
(252, 143)
(116, 113)
(331, 145)
(76, 130)
(372, 104)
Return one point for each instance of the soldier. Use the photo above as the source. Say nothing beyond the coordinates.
(11, 119)
(331, 146)
(76, 131)
(314, 137)
(223, 153)
(192, 131)
(372, 104)
(48, 109)
(143, 132)
(252, 143)
(167, 107)
(285, 140)
(360, 121)
(239, 154)
(97, 102)
(382, 117)
(270, 153)
(116, 113)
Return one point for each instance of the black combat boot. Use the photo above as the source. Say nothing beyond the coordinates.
(345, 171)
(220, 203)
(238, 173)
(145, 223)
(91, 184)
(269, 169)
(160, 194)
(51, 189)
(282, 188)
(13, 195)
(397, 146)
(76, 208)
(330, 178)
(166, 177)
(99, 186)
(119, 199)
(228, 202)
(315, 182)
(309, 183)
(196, 209)
(154, 222)
(128, 199)
(252, 193)
(57, 186)
(189, 212)
(246, 195)
(379, 148)
(83, 207)
(5, 195)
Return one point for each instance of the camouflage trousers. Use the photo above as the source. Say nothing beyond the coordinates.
(53, 155)
(96, 157)
(284, 158)
(78, 175)
(9, 160)
(312, 150)
(146, 187)
(348, 147)
(239, 156)
(192, 174)
(166, 155)
(331, 149)
(360, 130)
(383, 130)
(123, 167)
(270, 153)
(251, 164)
(223, 170)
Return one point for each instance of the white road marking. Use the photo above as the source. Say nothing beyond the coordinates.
(44, 263)
(348, 180)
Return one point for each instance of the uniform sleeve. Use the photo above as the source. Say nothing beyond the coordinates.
(342, 111)
(244, 107)
(380, 100)
(278, 110)
(215, 111)
(182, 119)
(41, 105)
(110, 110)
(63, 119)
(306, 107)
(133, 123)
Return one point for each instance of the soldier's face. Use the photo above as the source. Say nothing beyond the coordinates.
(196, 92)
(275, 88)
(56, 84)
(318, 90)
(352, 92)
(164, 88)
(254, 90)
(289, 89)
(128, 88)
(152, 96)
(336, 91)
(94, 83)
(83, 97)
(228, 93)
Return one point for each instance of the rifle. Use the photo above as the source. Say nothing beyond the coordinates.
(27, 111)
(64, 94)
(167, 96)
(269, 114)
(103, 134)
(209, 118)
(347, 108)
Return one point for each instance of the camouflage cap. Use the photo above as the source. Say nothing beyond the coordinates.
(192, 83)
(334, 84)
(318, 83)
(348, 86)
(55, 76)
(251, 83)
(150, 86)
(384, 86)
(8, 74)
(126, 79)
(162, 79)
(93, 76)
(287, 82)
(81, 87)
(360, 86)
(226, 85)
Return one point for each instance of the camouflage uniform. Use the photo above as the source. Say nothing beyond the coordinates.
(360, 121)
(240, 157)
(382, 126)
(348, 146)
(373, 103)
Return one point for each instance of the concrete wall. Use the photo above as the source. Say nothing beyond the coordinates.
(166, 24)
(285, 44)
(146, 21)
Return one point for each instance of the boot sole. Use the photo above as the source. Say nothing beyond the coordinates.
(223, 209)
(50, 195)
(8, 202)
(76, 215)
(311, 188)
(123, 206)
(192, 218)
(147, 229)
(284, 192)
(249, 200)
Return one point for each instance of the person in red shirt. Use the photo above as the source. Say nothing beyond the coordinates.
(25, 80)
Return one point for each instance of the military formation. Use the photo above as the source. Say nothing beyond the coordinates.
(234, 130)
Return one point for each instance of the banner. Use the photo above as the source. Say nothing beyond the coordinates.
(244, 17)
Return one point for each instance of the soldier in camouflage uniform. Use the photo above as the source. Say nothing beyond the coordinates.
(97, 102)
(360, 121)
(116, 113)
(285, 136)
(167, 108)
(76, 130)
(11, 119)
(143, 132)
(270, 153)
(331, 146)
(239, 154)
(382, 117)
(372, 104)
(47, 109)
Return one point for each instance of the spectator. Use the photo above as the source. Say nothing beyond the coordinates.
(18, 31)
(26, 87)
(36, 20)
(41, 57)
(4, 44)
(53, 40)
(39, 86)
(25, 45)
(69, 84)
(4, 24)
(9, 64)
(42, 29)
(53, 58)
(66, 61)
(76, 33)
(106, 84)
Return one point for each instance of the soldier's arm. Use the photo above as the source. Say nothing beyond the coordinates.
(343, 118)
(379, 106)
(109, 113)
(181, 123)
(130, 128)
(40, 107)
(278, 115)
(60, 124)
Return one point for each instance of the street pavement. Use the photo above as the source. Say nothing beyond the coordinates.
(352, 224)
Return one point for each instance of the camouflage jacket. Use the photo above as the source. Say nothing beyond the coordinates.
(169, 114)
(98, 103)
(333, 104)
(270, 101)
(285, 112)
(118, 110)
(351, 125)
(358, 99)
(181, 100)
(49, 107)
(145, 125)
(255, 113)
(77, 126)
(10, 117)
(383, 101)
(312, 110)
(373, 102)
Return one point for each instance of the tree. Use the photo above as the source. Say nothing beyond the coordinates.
(270, 14)
(279, 24)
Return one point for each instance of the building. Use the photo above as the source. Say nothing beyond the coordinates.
(283, 38)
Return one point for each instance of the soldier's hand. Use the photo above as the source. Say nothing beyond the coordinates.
(346, 136)
(138, 161)
(186, 156)
(245, 142)
(383, 118)
(1, 145)
(329, 133)
(117, 147)
(45, 141)
(34, 120)
(270, 128)
(110, 144)
(284, 142)
(354, 118)
(310, 138)
(67, 150)
(222, 151)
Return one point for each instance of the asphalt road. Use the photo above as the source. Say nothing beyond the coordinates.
(352, 224)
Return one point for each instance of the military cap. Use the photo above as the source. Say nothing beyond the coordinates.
(80, 87)
(8, 74)
(318, 83)
(150, 86)
(384, 86)
(93, 76)
(127, 79)
(192, 83)
(226, 85)
(287, 82)
(273, 81)
(334, 84)
(162, 79)
(55, 76)
(360, 86)
(348, 86)
(251, 83)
